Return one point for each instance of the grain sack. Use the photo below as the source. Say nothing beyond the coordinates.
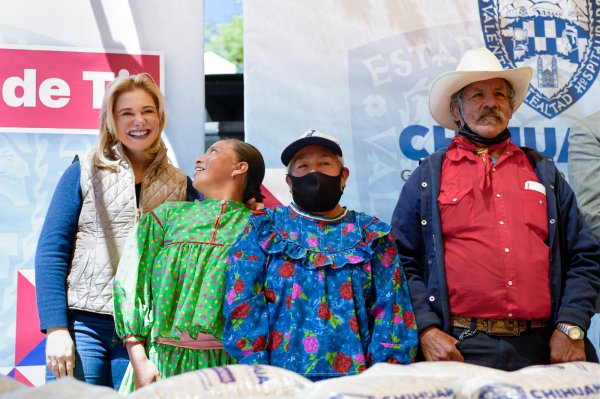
(64, 388)
(382, 387)
(569, 380)
(234, 381)
(8, 384)
(426, 369)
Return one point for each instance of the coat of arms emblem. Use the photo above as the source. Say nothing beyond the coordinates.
(559, 39)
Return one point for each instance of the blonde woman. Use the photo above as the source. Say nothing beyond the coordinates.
(95, 206)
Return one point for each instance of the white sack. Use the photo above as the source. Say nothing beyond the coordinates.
(233, 381)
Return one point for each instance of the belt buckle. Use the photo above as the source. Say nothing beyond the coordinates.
(514, 327)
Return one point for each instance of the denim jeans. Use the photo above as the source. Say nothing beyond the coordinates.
(100, 357)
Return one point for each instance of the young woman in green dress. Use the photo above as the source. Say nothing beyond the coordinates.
(169, 286)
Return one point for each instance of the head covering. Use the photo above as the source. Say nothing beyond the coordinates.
(475, 65)
(310, 137)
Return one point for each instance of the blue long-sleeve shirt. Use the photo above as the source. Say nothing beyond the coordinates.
(56, 244)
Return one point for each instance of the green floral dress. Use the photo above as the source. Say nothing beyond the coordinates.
(171, 280)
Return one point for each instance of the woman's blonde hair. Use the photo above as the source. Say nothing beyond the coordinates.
(105, 156)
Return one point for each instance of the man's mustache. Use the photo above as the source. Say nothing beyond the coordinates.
(485, 111)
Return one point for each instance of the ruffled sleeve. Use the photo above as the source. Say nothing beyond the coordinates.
(133, 280)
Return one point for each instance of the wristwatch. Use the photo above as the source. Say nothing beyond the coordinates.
(573, 332)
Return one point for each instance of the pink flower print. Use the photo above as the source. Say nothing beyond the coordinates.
(397, 320)
(296, 291)
(378, 312)
(311, 344)
(294, 235)
(350, 227)
(248, 352)
(360, 358)
(386, 260)
(354, 259)
(312, 241)
(230, 297)
(367, 267)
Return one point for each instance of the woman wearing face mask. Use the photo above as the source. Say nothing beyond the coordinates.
(169, 287)
(314, 287)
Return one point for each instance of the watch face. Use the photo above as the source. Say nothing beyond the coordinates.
(574, 332)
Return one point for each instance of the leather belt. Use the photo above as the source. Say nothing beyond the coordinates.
(499, 326)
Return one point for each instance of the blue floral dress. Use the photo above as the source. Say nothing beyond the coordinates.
(321, 297)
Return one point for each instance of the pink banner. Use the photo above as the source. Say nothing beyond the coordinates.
(61, 88)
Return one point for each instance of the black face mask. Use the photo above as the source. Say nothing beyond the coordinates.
(316, 191)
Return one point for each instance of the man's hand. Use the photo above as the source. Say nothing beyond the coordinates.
(437, 345)
(60, 352)
(563, 349)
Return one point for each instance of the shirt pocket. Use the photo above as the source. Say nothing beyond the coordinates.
(535, 212)
(456, 210)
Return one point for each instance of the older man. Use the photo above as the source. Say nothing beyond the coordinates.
(314, 287)
(503, 271)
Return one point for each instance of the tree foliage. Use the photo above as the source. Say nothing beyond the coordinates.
(227, 41)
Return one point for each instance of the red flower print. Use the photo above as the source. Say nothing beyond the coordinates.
(396, 308)
(345, 230)
(270, 296)
(321, 225)
(324, 312)
(393, 360)
(354, 324)
(342, 363)
(362, 368)
(320, 260)
(391, 251)
(238, 254)
(259, 344)
(240, 311)
(371, 236)
(287, 269)
(285, 235)
(241, 343)
(259, 212)
(397, 275)
(276, 337)
(252, 258)
(346, 290)
(238, 286)
(288, 301)
(409, 319)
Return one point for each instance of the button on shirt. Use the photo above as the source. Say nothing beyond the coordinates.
(495, 235)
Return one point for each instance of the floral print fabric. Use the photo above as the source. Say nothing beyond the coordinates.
(171, 279)
(321, 297)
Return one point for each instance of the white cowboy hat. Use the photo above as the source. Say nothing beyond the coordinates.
(475, 65)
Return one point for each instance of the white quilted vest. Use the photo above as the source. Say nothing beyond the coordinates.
(108, 215)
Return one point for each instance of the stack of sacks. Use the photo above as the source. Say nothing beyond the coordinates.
(426, 380)
(579, 380)
(8, 384)
(234, 381)
(64, 388)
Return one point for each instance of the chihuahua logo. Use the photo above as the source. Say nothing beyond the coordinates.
(558, 39)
